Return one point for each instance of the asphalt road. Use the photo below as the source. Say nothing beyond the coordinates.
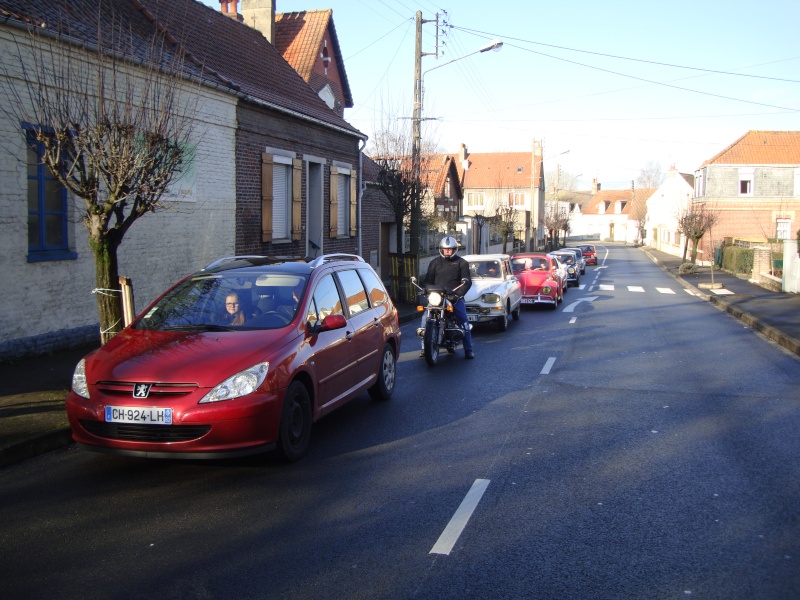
(635, 443)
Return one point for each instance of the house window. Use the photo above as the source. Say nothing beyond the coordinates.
(516, 199)
(745, 182)
(447, 188)
(783, 229)
(48, 224)
(474, 200)
(343, 212)
(281, 198)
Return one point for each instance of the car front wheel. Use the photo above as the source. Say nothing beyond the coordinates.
(387, 374)
(295, 427)
(502, 322)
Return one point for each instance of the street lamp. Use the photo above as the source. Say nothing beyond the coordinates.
(416, 150)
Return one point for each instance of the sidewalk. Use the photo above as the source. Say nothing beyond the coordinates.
(32, 392)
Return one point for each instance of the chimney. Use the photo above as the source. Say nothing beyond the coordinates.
(260, 15)
(462, 157)
(228, 8)
(595, 185)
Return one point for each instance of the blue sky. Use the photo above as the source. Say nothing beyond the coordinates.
(616, 83)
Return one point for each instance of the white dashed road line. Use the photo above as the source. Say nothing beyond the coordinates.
(459, 521)
(548, 365)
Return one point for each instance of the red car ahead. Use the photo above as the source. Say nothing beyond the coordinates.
(238, 358)
(539, 279)
(589, 253)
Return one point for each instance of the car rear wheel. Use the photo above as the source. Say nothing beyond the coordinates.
(387, 374)
(295, 427)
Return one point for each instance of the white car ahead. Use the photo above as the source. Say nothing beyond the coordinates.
(495, 292)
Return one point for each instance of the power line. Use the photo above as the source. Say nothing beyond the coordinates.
(640, 60)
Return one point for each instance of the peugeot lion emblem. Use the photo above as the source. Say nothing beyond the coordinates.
(141, 390)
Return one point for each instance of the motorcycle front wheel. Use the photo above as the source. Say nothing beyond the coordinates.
(431, 342)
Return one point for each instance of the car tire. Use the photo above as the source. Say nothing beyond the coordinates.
(502, 322)
(387, 376)
(294, 431)
(515, 313)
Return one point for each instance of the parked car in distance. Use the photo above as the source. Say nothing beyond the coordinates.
(495, 293)
(539, 279)
(238, 358)
(578, 257)
(567, 258)
(589, 253)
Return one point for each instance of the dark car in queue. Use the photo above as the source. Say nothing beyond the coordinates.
(570, 262)
(186, 379)
(578, 257)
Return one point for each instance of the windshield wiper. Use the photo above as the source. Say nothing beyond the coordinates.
(198, 327)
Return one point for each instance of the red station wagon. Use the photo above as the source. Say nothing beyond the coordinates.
(239, 358)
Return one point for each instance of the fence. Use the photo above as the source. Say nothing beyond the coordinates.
(403, 267)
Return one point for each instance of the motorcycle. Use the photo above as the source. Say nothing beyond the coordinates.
(441, 329)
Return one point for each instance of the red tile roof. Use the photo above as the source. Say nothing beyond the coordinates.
(634, 201)
(761, 148)
(500, 170)
(232, 55)
(299, 36)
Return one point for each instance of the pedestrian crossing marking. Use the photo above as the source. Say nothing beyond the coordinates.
(722, 292)
(665, 290)
(635, 288)
(605, 287)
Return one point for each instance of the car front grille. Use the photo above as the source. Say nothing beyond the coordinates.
(161, 391)
(132, 432)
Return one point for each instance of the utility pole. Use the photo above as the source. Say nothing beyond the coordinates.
(416, 141)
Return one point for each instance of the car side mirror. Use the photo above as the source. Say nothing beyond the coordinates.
(332, 322)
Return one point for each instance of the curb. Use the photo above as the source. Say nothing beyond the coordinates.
(38, 444)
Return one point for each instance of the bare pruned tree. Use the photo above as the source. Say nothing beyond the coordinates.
(650, 176)
(390, 147)
(112, 123)
(693, 223)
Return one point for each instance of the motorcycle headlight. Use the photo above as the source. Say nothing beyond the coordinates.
(79, 385)
(435, 299)
(241, 384)
(491, 298)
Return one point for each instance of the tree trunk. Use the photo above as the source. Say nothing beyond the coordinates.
(109, 303)
(694, 251)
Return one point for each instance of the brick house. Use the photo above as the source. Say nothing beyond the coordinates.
(276, 170)
(497, 179)
(754, 186)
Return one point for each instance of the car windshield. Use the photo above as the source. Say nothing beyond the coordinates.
(227, 301)
(567, 258)
(527, 263)
(485, 268)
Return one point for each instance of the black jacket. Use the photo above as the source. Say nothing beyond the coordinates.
(449, 274)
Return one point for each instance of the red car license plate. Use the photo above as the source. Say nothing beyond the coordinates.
(151, 415)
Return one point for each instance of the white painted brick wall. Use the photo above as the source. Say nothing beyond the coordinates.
(41, 299)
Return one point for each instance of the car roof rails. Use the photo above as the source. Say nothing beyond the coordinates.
(325, 258)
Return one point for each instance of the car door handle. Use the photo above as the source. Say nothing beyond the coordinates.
(348, 335)
(376, 322)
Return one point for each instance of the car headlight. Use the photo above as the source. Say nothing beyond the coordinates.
(79, 385)
(547, 289)
(491, 298)
(571, 270)
(241, 384)
(435, 299)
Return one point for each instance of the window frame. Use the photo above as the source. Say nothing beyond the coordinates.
(43, 252)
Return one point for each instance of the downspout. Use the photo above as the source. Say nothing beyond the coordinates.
(360, 192)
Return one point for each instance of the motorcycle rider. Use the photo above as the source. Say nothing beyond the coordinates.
(448, 270)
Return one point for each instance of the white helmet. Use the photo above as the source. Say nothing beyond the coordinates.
(448, 242)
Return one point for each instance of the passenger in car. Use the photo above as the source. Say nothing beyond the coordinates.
(235, 311)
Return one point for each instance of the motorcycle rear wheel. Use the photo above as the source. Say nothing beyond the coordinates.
(431, 342)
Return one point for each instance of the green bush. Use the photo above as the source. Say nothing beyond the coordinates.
(737, 260)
